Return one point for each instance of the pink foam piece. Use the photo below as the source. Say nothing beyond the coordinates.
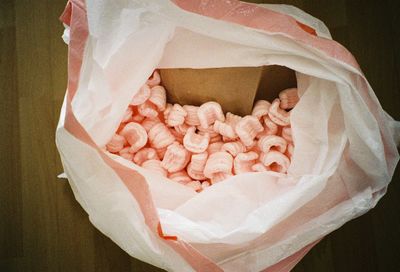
(288, 98)
(278, 115)
(194, 142)
(209, 112)
(135, 135)
(261, 108)
(267, 142)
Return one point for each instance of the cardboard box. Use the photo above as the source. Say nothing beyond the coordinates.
(235, 88)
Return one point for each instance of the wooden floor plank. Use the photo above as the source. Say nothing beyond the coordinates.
(11, 190)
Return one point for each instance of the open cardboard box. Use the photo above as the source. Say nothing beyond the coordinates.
(235, 88)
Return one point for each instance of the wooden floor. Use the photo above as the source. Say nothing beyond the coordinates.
(42, 227)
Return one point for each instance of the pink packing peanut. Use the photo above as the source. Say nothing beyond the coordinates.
(195, 169)
(209, 112)
(116, 143)
(270, 128)
(267, 142)
(275, 161)
(154, 79)
(234, 148)
(135, 135)
(224, 129)
(194, 142)
(141, 96)
(125, 153)
(145, 154)
(247, 129)
(176, 116)
(181, 177)
(148, 109)
(155, 166)
(259, 167)
(232, 119)
(278, 115)
(287, 134)
(160, 136)
(218, 177)
(192, 119)
(261, 108)
(127, 115)
(167, 110)
(136, 117)
(218, 162)
(289, 150)
(182, 129)
(244, 161)
(158, 97)
(176, 158)
(289, 98)
(215, 147)
(148, 123)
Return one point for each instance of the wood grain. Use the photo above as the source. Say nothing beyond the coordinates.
(43, 228)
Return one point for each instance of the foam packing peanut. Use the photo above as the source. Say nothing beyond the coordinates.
(194, 142)
(148, 109)
(278, 115)
(125, 153)
(259, 167)
(209, 112)
(154, 79)
(191, 118)
(145, 154)
(215, 147)
(167, 110)
(270, 128)
(155, 166)
(218, 177)
(176, 116)
(275, 161)
(261, 108)
(176, 158)
(136, 117)
(158, 97)
(247, 129)
(289, 150)
(234, 148)
(210, 130)
(135, 135)
(148, 123)
(195, 168)
(177, 135)
(182, 129)
(267, 142)
(141, 96)
(181, 177)
(218, 162)
(160, 136)
(116, 143)
(289, 98)
(127, 115)
(225, 130)
(232, 119)
(287, 134)
(243, 162)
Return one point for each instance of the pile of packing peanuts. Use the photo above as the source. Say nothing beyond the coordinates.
(198, 145)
